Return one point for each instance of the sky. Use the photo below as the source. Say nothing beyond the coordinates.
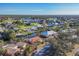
(39, 9)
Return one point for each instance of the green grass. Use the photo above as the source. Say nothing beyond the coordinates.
(34, 24)
(5, 21)
(27, 26)
(23, 26)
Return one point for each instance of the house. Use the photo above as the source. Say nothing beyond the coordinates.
(27, 23)
(48, 33)
(39, 26)
(15, 28)
(74, 36)
(10, 46)
(73, 31)
(35, 39)
(12, 52)
(15, 18)
(61, 23)
(3, 18)
(51, 24)
(11, 49)
(18, 34)
(29, 20)
(21, 44)
(29, 30)
(34, 28)
(1, 29)
(64, 31)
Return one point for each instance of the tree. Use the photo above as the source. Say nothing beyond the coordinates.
(77, 54)
(27, 50)
(2, 51)
(61, 44)
(12, 35)
(7, 35)
(66, 25)
(18, 22)
(1, 42)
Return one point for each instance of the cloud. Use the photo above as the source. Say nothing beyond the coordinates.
(12, 9)
(65, 12)
(37, 10)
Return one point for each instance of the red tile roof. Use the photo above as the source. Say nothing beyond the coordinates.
(35, 39)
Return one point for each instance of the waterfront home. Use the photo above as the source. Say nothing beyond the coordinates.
(17, 34)
(11, 49)
(61, 23)
(27, 23)
(30, 30)
(48, 33)
(15, 28)
(34, 28)
(3, 18)
(51, 24)
(35, 39)
(56, 23)
(15, 18)
(29, 20)
(12, 52)
(74, 37)
(21, 44)
(7, 24)
(69, 30)
(13, 46)
(39, 26)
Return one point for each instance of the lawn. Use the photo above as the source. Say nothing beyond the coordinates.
(27, 26)
(23, 26)
(34, 24)
(5, 21)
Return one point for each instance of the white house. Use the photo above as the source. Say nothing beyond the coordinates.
(39, 26)
(48, 33)
(51, 32)
(34, 28)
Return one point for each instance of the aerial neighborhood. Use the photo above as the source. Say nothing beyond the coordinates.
(50, 35)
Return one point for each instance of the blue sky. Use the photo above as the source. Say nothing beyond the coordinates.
(38, 9)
